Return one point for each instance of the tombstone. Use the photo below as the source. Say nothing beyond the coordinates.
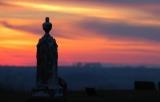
(144, 85)
(90, 91)
(47, 84)
(144, 91)
(158, 86)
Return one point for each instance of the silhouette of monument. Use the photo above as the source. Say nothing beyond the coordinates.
(47, 81)
(47, 58)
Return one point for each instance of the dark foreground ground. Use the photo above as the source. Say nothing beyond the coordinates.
(101, 96)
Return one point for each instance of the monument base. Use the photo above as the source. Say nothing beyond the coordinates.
(46, 99)
(47, 95)
(47, 92)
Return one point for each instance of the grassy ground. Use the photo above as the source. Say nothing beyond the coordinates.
(101, 96)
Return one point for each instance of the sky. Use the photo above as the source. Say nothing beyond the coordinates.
(105, 31)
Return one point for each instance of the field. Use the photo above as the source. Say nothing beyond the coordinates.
(100, 96)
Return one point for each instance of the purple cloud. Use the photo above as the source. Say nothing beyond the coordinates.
(31, 29)
(108, 1)
(126, 1)
(7, 4)
(36, 29)
(121, 30)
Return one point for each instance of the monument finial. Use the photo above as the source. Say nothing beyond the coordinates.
(47, 26)
(47, 19)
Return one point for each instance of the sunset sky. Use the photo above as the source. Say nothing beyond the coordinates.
(106, 31)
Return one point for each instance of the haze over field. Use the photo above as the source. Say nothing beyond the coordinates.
(77, 78)
(106, 31)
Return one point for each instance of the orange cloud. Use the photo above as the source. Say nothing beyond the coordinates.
(120, 14)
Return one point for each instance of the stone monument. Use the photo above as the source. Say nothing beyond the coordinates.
(47, 56)
(47, 64)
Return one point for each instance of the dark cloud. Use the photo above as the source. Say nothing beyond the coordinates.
(114, 1)
(68, 34)
(37, 29)
(111, 1)
(4, 4)
(7, 4)
(130, 2)
(121, 30)
(127, 1)
(31, 29)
